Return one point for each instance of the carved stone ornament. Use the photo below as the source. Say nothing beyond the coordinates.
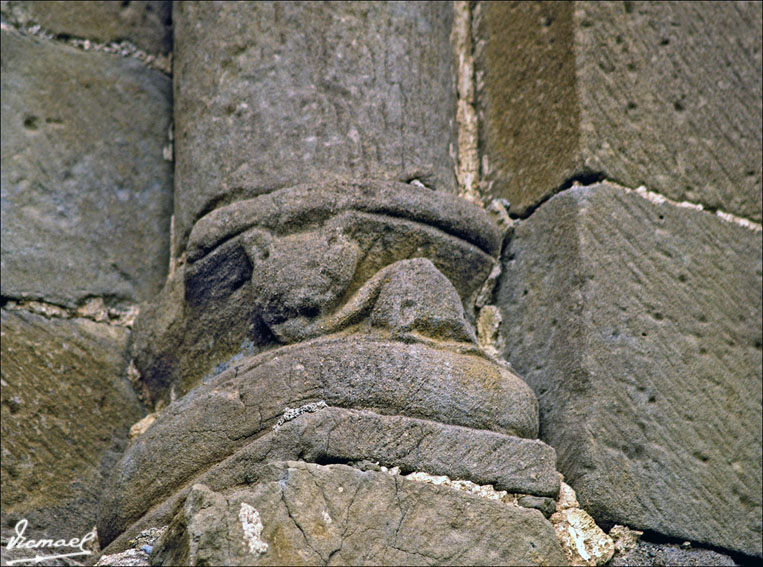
(355, 295)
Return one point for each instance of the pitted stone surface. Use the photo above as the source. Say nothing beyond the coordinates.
(360, 91)
(638, 326)
(86, 192)
(661, 94)
(526, 99)
(312, 514)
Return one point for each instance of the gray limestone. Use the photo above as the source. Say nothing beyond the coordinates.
(86, 193)
(661, 94)
(270, 95)
(302, 513)
(311, 260)
(637, 324)
(466, 414)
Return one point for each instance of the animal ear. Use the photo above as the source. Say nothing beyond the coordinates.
(256, 244)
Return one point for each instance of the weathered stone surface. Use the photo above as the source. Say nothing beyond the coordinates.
(360, 297)
(66, 408)
(304, 513)
(666, 554)
(624, 538)
(228, 421)
(86, 192)
(146, 24)
(138, 552)
(638, 326)
(662, 94)
(312, 260)
(127, 558)
(361, 91)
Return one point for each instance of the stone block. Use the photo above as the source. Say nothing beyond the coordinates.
(638, 325)
(270, 95)
(66, 409)
(86, 193)
(148, 25)
(661, 94)
(304, 513)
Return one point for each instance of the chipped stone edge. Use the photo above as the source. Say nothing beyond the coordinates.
(139, 550)
(140, 427)
(488, 317)
(157, 62)
(94, 309)
(582, 545)
(581, 539)
(486, 491)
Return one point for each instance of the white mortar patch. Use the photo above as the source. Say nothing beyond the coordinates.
(252, 526)
(293, 413)
(660, 199)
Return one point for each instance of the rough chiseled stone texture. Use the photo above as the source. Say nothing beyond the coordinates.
(66, 408)
(656, 93)
(86, 193)
(360, 294)
(638, 326)
(146, 24)
(304, 513)
(270, 95)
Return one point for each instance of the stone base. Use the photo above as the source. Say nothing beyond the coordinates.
(302, 513)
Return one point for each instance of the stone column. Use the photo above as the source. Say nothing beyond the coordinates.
(319, 315)
(269, 95)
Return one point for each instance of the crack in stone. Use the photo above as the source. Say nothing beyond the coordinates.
(285, 500)
(402, 512)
